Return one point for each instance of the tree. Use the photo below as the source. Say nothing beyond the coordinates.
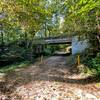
(83, 18)
(28, 15)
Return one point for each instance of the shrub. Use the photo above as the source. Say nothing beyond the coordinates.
(94, 64)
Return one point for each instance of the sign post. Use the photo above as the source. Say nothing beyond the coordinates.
(78, 60)
(41, 58)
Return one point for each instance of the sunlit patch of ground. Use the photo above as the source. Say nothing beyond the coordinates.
(53, 79)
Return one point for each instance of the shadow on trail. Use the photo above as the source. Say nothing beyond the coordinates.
(40, 72)
(61, 75)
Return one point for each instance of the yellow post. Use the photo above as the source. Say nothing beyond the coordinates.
(41, 58)
(78, 60)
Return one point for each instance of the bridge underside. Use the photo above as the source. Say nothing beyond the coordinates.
(41, 42)
(58, 43)
(48, 41)
(52, 43)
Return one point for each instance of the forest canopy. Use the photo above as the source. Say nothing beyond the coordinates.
(23, 20)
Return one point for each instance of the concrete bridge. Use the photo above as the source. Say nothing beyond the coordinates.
(76, 46)
(53, 40)
(41, 42)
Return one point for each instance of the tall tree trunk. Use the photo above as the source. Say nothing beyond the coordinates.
(98, 28)
(49, 32)
(2, 41)
(45, 29)
(26, 41)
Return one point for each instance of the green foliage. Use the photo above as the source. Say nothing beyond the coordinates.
(82, 16)
(25, 18)
(14, 66)
(93, 65)
(51, 49)
(47, 52)
(13, 55)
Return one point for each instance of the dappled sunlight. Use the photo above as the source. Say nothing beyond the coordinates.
(45, 75)
(49, 49)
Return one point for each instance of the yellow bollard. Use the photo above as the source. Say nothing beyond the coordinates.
(41, 58)
(78, 60)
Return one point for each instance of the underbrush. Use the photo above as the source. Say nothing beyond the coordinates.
(15, 55)
(93, 65)
(14, 66)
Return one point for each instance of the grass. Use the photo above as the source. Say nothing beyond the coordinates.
(13, 67)
(98, 84)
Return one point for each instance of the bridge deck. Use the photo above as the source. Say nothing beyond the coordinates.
(53, 40)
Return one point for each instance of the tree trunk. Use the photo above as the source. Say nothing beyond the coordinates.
(98, 29)
(2, 41)
(45, 30)
(26, 41)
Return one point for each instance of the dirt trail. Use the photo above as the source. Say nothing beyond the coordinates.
(52, 79)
